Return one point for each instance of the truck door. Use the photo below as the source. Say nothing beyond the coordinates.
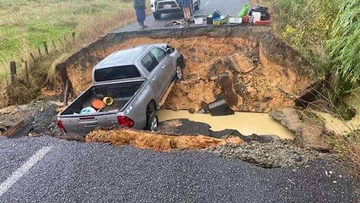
(156, 74)
(165, 63)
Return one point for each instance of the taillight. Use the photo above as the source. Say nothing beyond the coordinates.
(125, 122)
(61, 126)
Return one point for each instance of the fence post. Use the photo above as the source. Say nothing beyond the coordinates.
(32, 56)
(12, 71)
(61, 42)
(27, 73)
(66, 92)
(39, 51)
(54, 44)
(46, 48)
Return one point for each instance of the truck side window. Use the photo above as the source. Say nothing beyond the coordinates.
(159, 54)
(149, 62)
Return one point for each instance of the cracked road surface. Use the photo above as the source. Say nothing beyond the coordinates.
(80, 172)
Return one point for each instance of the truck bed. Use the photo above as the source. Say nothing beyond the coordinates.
(120, 92)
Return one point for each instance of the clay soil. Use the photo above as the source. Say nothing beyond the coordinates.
(235, 69)
(157, 142)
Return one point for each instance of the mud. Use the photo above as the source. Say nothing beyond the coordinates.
(310, 131)
(247, 66)
(157, 142)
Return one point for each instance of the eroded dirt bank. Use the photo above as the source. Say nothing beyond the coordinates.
(158, 142)
(247, 66)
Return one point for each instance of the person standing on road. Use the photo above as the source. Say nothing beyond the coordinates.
(185, 4)
(140, 7)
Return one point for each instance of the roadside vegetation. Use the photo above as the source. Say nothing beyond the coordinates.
(27, 24)
(327, 34)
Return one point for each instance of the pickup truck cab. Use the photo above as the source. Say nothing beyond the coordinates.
(135, 79)
(159, 7)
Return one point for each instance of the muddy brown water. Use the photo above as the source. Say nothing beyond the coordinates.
(339, 126)
(245, 123)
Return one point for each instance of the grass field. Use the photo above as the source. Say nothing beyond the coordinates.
(26, 24)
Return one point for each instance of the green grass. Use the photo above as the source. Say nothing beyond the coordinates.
(27, 24)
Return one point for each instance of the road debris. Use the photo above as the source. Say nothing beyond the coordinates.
(36, 117)
(220, 108)
(279, 153)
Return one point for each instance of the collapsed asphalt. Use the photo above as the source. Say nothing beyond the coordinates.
(78, 172)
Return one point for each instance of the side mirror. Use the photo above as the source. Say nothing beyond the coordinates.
(170, 50)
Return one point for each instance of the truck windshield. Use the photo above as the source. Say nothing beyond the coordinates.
(116, 73)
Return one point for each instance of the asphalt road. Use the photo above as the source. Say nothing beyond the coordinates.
(226, 7)
(78, 172)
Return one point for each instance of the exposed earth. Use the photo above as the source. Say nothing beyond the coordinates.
(232, 68)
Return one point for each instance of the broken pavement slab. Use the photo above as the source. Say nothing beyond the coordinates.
(220, 108)
(36, 117)
(309, 133)
(279, 153)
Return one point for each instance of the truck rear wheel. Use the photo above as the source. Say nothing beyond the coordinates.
(157, 16)
(152, 120)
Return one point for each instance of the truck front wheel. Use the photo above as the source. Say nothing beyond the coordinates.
(179, 72)
(157, 15)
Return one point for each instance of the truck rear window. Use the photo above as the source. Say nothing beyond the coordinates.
(116, 73)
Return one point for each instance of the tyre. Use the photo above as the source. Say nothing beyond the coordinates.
(197, 7)
(153, 122)
(151, 118)
(179, 72)
(157, 16)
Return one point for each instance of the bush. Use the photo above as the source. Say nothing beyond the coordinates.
(325, 32)
(344, 44)
(306, 26)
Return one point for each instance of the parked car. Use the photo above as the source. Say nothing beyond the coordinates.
(159, 7)
(135, 79)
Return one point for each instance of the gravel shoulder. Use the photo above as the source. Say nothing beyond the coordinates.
(74, 172)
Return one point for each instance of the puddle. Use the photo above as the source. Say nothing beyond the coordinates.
(339, 126)
(245, 123)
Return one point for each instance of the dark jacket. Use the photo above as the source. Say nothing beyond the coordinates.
(139, 4)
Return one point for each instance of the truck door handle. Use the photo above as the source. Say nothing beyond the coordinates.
(154, 78)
